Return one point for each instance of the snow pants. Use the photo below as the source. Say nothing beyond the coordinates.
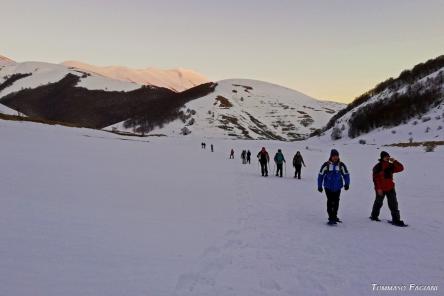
(297, 173)
(392, 204)
(332, 203)
(279, 167)
(264, 168)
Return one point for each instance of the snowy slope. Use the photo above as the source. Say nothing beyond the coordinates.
(174, 79)
(7, 110)
(430, 127)
(44, 73)
(249, 109)
(85, 213)
(5, 61)
(424, 127)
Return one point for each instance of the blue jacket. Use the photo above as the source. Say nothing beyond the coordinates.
(333, 175)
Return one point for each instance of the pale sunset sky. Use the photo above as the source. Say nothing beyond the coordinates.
(331, 49)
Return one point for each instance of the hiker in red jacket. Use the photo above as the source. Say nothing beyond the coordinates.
(264, 159)
(384, 186)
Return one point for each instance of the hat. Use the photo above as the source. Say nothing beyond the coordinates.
(279, 150)
(384, 154)
(334, 152)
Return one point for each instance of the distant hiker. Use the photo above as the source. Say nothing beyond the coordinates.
(264, 159)
(332, 176)
(249, 157)
(244, 157)
(384, 186)
(232, 154)
(279, 160)
(202, 145)
(212, 148)
(298, 161)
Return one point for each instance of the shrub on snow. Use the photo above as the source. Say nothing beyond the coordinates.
(336, 133)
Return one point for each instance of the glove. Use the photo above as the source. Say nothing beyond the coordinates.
(320, 189)
(346, 187)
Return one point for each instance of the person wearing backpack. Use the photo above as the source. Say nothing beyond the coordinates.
(384, 186)
(249, 157)
(264, 159)
(298, 161)
(332, 176)
(279, 160)
(244, 157)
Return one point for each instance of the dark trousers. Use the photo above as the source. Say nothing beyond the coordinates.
(264, 168)
(248, 159)
(279, 169)
(392, 204)
(332, 203)
(297, 173)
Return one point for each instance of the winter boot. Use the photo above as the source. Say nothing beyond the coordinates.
(399, 223)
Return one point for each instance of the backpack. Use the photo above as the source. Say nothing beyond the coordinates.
(388, 171)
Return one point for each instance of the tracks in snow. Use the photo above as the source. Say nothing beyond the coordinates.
(259, 256)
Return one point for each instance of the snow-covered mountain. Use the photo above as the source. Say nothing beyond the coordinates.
(28, 75)
(56, 92)
(408, 108)
(5, 61)
(248, 109)
(174, 79)
(236, 108)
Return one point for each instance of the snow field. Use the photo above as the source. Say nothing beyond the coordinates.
(87, 213)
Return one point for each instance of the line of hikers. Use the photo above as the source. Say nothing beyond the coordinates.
(279, 160)
(203, 145)
(334, 175)
(246, 157)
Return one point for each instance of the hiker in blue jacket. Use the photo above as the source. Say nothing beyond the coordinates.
(332, 176)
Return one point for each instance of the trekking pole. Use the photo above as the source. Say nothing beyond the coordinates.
(285, 169)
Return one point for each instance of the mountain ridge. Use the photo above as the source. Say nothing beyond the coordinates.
(178, 79)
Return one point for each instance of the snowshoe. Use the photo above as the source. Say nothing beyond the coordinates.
(331, 222)
(399, 223)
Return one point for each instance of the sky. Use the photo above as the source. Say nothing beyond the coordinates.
(331, 49)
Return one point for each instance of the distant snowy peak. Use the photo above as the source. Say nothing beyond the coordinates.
(29, 75)
(5, 61)
(247, 109)
(174, 79)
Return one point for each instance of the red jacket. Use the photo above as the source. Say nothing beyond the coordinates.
(383, 174)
